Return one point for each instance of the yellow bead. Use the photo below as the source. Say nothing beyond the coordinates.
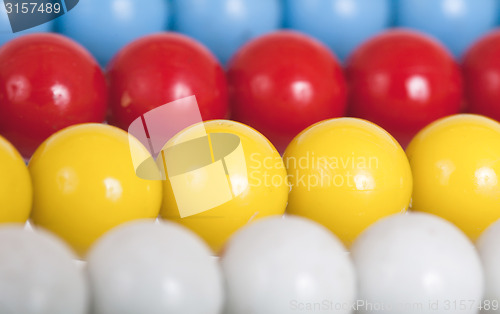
(15, 185)
(456, 169)
(85, 184)
(231, 175)
(346, 174)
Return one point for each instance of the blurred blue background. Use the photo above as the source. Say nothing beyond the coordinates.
(105, 26)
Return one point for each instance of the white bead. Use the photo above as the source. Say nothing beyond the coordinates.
(144, 267)
(287, 265)
(489, 251)
(417, 263)
(38, 274)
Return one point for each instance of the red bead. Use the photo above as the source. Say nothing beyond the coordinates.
(403, 80)
(47, 82)
(481, 69)
(283, 82)
(160, 68)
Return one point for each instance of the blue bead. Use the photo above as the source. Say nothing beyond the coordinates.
(106, 26)
(6, 31)
(225, 25)
(457, 23)
(340, 24)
